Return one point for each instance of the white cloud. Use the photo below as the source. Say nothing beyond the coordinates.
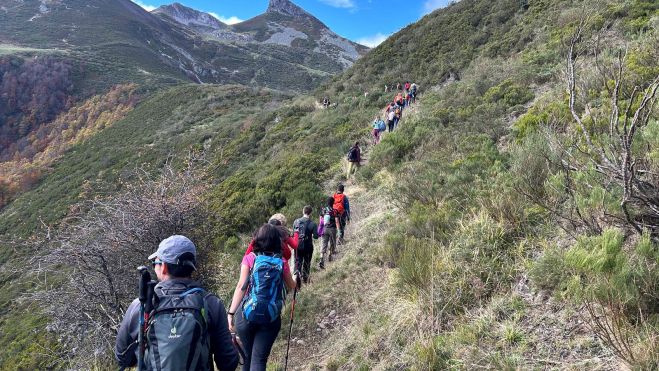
(431, 5)
(229, 20)
(372, 41)
(146, 7)
(339, 3)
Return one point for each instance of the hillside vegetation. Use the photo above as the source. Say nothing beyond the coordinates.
(504, 243)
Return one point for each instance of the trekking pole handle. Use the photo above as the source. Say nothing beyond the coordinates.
(145, 277)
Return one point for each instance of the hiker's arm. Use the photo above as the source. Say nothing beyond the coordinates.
(292, 242)
(346, 205)
(338, 222)
(314, 230)
(288, 278)
(126, 346)
(238, 294)
(225, 354)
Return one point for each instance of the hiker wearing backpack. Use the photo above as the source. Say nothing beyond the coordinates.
(307, 231)
(390, 120)
(331, 224)
(378, 127)
(414, 88)
(342, 208)
(187, 327)
(354, 159)
(398, 113)
(255, 311)
(288, 243)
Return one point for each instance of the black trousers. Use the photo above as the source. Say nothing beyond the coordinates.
(303, 261)
(257, 341)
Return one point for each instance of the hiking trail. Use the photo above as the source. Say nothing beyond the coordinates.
(331, 305)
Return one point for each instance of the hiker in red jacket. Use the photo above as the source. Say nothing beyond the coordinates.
(288, 243)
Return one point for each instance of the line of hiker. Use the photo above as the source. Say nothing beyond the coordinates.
(393, 112)
(175, 324)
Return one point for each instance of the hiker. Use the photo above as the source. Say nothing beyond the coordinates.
(386, 88)
(399, 99)
(258, 298)
(326, 102)
(288, 243)
(173, 263)
(407, 87)
(354, 159)
(342, 208)
(378, 127)
(331, 225)
(398, 86)
(390, 120)
(398, 114)
(306, 231)
(414, 90)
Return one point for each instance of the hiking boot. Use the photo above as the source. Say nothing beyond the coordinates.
(329, 258)
(321, 265)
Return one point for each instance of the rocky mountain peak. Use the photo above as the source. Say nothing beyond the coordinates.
(285, 7)
(189, 16)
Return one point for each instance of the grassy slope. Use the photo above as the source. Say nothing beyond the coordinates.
(171, 123)
(460, 238)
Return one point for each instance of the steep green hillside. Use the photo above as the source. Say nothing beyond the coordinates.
(495, 221)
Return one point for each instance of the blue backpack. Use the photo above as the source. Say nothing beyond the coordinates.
(266, 295)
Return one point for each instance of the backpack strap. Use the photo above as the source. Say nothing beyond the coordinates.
(192, 291)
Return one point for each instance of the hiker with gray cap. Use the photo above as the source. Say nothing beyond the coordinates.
(187, 327)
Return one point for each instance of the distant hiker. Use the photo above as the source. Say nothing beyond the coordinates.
(288, 243)
(398, 114)
(258, 298)
(186, 317)
(399, 99)
(390, 120)
(408, 101)
(414, 89)
(331, 225)
(342, 208)
(407, 87)
(386, 88)
(307, 231)
(378, 127)
(398, 86)
(326, 102)
(354, 159)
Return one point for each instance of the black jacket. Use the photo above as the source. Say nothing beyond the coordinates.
(224, 353)
(311, 232)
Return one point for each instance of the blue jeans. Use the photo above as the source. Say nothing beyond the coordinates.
(257, 341)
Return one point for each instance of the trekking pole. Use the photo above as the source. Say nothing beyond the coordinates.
(145, 277)
(290, 327)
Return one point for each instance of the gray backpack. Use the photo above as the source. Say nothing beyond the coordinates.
(177, 333)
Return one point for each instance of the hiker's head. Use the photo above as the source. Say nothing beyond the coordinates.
(175, 258)
(330, 201)
(267, 240)
(340, 188)
(356, 144)
(307, 210)
(278, 218)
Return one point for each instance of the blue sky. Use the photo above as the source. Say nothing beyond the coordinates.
(366, 21)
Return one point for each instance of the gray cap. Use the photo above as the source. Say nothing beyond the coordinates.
(171, 249)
